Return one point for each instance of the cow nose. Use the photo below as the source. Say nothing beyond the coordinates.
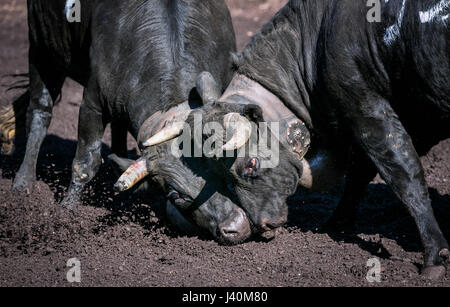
(236, 229)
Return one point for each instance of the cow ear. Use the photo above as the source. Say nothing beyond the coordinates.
(207, 88)
(253, 112)
(120, 164)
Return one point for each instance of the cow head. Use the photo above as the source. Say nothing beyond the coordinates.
(195, 202)
(197, 199)
(260, 188)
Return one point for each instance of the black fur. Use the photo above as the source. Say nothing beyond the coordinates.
(58, 49)
(145, 57)
(387, 103)
(134, 58)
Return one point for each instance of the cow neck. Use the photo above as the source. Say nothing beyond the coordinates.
(160, 120)
(293, 132)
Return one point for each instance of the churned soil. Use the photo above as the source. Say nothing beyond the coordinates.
(126, 241)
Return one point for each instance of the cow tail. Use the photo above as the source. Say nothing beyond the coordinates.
(13, 119)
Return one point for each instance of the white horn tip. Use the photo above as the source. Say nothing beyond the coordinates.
(135, 173)
(120, 186)
(166, 134)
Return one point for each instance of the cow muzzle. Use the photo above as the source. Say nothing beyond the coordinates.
(235, 229)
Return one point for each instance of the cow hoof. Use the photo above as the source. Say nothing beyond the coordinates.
(23, 185)
(70, 203)
(433, 272)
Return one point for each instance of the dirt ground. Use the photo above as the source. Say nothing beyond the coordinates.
(126, 241)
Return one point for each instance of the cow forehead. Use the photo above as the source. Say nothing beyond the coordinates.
(179, 174)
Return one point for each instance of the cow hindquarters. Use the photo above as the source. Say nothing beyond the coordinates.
(91, 126)
(384, 139)
(44, 90)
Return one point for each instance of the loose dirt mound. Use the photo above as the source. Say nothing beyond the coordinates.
(125, 241)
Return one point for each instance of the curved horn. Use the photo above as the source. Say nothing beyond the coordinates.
(242, 131)
(169, 133)
(135, 173)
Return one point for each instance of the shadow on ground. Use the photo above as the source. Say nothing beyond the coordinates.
(380, 213)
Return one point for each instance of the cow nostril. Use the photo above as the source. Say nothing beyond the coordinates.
(267, 225)
(227, 232)
(264, 224)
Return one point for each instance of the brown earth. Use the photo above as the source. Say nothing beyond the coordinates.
(125, 241)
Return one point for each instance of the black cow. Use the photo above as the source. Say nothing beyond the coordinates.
(58, 49)
(138, 62)
(144, 60)
(349, 95)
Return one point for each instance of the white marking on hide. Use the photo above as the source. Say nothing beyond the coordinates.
(436, 12)
(393, 32)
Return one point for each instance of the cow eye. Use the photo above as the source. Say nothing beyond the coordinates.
(179, 200)
(253, 163)
(173, 195)
(251, 168)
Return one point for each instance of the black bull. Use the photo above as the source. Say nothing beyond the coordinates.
(373, 96)
(138, 62)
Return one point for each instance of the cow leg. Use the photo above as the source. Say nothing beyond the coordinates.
(119, 135)
(39, 114)
(91, 126)
(384, 139)
(359, 175)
